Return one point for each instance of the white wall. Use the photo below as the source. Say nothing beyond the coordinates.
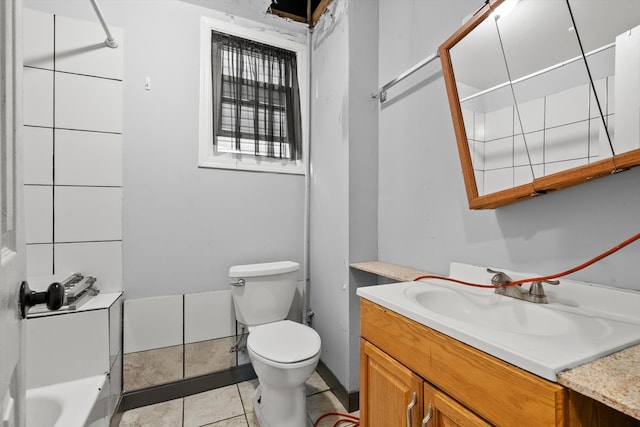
(183, 226)
(344, 185)
(73, 149)
(329, 236)
(424, 221)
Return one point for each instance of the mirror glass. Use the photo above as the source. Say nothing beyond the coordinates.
(536, 89)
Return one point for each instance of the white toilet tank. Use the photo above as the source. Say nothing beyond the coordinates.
(263, 293)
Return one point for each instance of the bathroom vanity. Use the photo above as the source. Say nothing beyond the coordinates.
(413, 375)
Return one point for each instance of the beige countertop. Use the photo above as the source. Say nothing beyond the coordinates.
(613, 380)
(391, 271)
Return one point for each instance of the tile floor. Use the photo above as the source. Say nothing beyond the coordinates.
(230, 406)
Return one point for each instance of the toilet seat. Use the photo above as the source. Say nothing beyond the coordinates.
(284, 342)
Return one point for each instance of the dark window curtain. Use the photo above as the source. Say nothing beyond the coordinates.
(255, 97)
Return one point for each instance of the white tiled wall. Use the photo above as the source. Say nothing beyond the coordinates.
(152, 323)
(558, 134)
(73, 148)
(73, 36)
(81, 348)
(208, 316)
(88, 103)
(38, 148)
(78, 344)
(88, 158)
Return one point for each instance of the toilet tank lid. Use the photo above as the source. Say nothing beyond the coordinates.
(263, 269)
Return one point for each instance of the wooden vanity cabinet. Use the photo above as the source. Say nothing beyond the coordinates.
(440, 410)
(393, 395)
(390, 389)
(464, 386)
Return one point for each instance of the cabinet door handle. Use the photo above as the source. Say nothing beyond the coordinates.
(410, 407)
(426, 419)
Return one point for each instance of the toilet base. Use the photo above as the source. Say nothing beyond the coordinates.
(280, 407)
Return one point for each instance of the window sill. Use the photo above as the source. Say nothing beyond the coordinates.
(252, 165)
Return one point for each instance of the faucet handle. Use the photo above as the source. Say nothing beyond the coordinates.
(536, 291)
(499, 278)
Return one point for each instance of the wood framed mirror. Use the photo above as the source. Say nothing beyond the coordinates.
(544, 95)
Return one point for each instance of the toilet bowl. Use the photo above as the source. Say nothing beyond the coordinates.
(283, 353)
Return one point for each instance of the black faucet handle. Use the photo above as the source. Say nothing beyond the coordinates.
(53, 297)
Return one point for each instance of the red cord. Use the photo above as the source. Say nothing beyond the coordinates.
(542, 278)
(348, 418)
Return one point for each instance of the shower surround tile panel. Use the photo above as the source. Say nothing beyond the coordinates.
(205, 357)
(38, 208)
(568, 106)
(88, 214)
(115, 383)
(152, 323)
(153, 367)
(88, 103)
(531, 116)
(40, 260)
(102, 260)
(37, 43)
(208, 315)
(83, 170)
(38, 155)
(80, 49)
(115, 331)
(37, 90)
(88, 158)
(76, 344)
(566, 142)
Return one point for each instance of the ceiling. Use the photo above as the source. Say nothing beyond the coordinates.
(307, 11)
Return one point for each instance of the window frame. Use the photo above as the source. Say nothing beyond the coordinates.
(208, 157)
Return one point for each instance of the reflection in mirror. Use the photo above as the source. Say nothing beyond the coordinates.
(612, 29)
(533, 92)
(556, 123)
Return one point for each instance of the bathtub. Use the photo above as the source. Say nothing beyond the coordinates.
(70, 404)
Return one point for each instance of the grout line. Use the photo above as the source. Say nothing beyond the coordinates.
(184, 353)
(90, 130)
(53, 157)
(82, 185)
(87, 75)
(87, 241)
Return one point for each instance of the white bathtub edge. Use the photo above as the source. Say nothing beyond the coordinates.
(77, 398)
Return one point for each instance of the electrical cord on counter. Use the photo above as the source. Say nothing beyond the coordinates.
(538, 279)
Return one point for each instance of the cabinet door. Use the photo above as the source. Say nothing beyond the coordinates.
(389, 392)
(446, 412)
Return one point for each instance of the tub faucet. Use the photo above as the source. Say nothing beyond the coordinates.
(535, 293)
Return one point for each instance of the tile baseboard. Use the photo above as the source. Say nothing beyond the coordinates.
(181, 388)
(350, 400)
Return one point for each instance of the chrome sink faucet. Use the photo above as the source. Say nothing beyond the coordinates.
(535, 293)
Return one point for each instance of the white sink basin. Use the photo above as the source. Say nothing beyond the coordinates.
(497, 313)
(582, 322)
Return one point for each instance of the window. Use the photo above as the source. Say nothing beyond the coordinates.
(252, 101)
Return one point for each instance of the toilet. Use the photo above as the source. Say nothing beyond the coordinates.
(283, 353)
